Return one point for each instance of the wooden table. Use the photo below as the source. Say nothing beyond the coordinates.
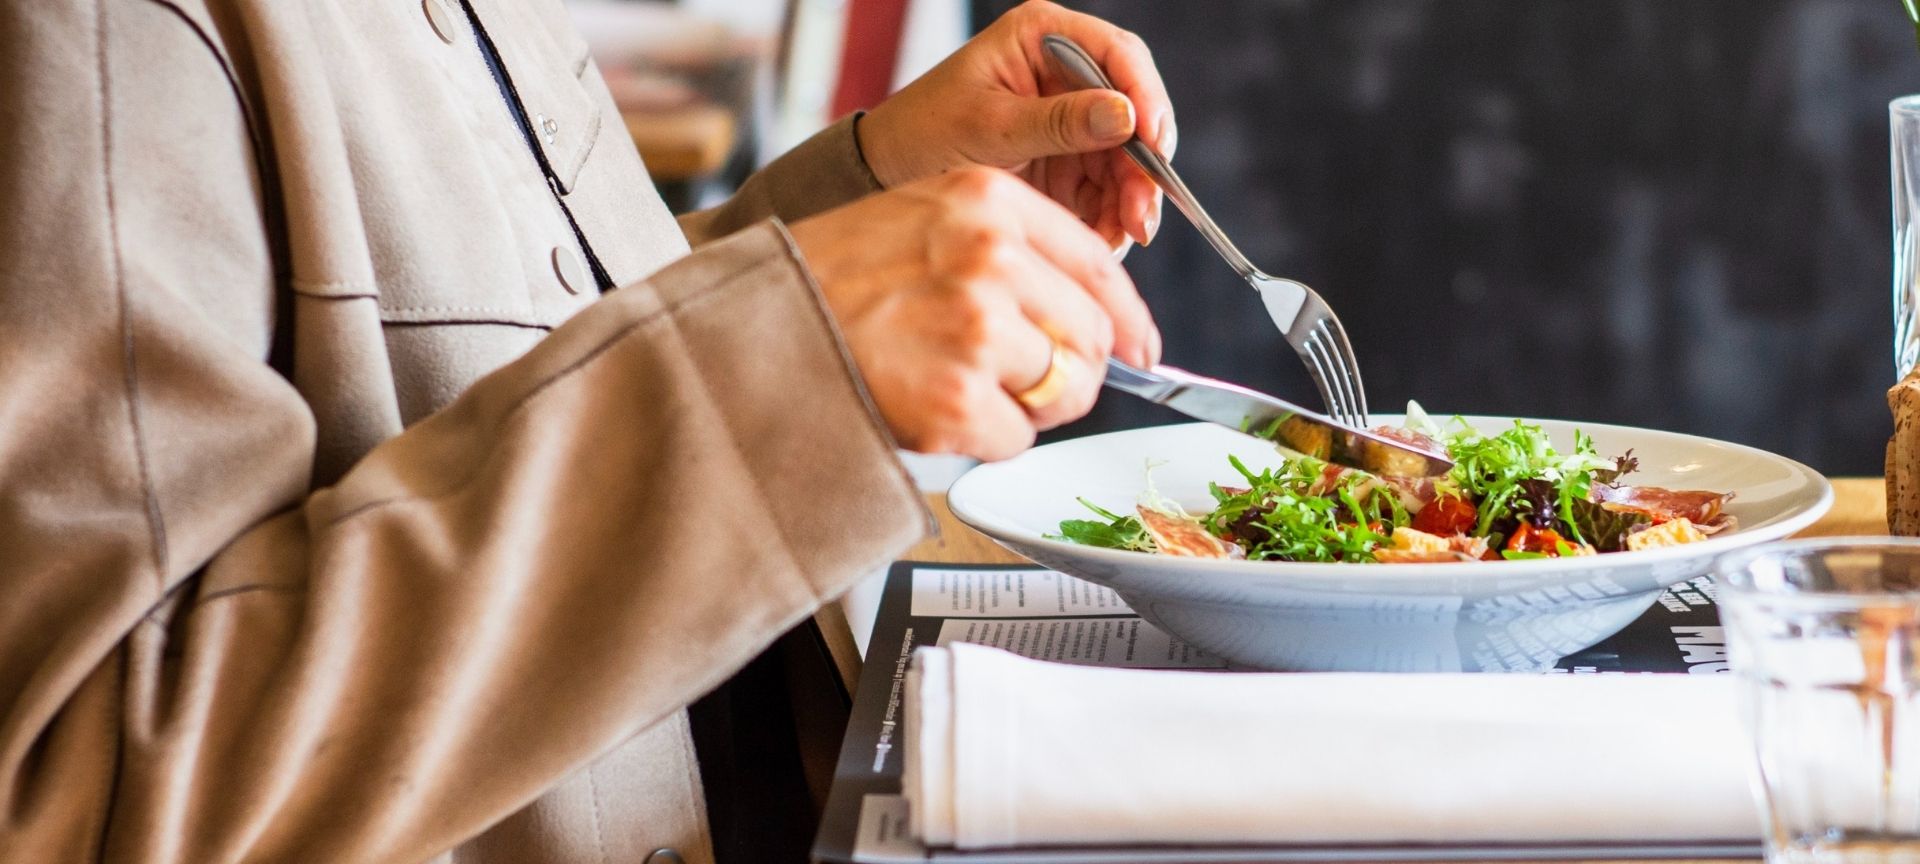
(1859, 508)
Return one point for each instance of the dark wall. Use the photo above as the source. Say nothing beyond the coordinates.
(1670, 213)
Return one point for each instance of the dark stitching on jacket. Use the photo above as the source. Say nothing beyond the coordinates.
(392, 317)
(247, 589)
(119, 708)
(724, 285)
(465, 322)
(323, 290)
(156, 526)
(455, 310)
(273, 213)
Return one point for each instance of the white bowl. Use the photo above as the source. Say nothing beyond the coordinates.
(1481, 616)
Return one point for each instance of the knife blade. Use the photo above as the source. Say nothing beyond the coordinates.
(1273, 419)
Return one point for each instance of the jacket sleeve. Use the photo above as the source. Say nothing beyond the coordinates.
(822, 173)
(202, 661)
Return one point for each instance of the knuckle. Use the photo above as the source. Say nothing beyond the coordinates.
(986, 253)
(947, 402)
(969, 181)
(1061, 122)
(978, 183)
(1035, 8)
(969, 335)
(1103, 337)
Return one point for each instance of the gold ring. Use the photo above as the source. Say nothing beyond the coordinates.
(1050, 385)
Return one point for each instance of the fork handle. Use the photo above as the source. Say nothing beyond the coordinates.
(1082, 73)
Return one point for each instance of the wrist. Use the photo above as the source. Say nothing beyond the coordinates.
(870, 130)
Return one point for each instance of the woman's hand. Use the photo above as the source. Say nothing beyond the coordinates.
(999, 102)
(951, 293)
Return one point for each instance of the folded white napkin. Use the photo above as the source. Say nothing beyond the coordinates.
(1006, 751)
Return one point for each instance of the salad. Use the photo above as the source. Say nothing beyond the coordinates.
(1510, 495)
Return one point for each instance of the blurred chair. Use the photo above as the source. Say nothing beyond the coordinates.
(838, 56)
(711, 89)
(690, 84)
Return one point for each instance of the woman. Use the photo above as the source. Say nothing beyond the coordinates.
(342, 520)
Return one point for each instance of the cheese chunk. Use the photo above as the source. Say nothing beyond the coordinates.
(1419, 541)
(1674, 533)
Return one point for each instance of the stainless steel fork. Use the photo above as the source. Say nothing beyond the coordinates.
(1308, 324)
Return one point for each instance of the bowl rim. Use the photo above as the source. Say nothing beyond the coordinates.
(1711, 548)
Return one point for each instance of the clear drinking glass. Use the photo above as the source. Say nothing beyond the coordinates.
(1825, 635)
(1904, 114)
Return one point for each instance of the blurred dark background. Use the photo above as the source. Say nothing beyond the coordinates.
(1667, 213)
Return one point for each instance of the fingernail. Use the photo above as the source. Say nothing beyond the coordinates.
(1153, 222)
(1167, 139)
(1113, 118)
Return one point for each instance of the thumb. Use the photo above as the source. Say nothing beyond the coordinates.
(1079, 122)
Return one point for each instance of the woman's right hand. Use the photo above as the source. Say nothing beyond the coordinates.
(951, 292)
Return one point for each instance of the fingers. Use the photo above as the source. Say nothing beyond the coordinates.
(1052, 310)
(1123, 55)
(1139, 200)
(1000, 427)
(1129, 65)
(1079, 253)
(1074, 122)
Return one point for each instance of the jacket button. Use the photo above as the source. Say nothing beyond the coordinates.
(440, 20)
(566, 267)
(665, 856)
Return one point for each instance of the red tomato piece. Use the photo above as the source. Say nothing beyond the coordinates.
(1446, 516)
(1546, 541)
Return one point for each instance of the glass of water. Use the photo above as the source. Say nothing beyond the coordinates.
(1825, 635)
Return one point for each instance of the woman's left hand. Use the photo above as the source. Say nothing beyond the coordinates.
(998, 101)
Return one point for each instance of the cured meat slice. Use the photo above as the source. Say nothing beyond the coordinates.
(1661, 505)
(1184, 537)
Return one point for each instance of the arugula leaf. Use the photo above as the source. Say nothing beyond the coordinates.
(1117, 532)
(1285, 514)
(1517, 474)
(1514, 555)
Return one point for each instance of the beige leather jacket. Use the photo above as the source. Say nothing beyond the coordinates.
(340, 520)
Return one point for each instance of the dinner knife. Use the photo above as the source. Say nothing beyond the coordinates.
(1271, 418)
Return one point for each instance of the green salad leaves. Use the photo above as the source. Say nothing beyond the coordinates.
(1112, 532)
(1511, 485)
(1301, 512)
(1517, 475)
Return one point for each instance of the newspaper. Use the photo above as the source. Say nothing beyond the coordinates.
(1048, 615)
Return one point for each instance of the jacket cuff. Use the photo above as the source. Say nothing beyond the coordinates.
(799, 415)
(824, 172)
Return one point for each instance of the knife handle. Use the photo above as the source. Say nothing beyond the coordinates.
(1139, 382)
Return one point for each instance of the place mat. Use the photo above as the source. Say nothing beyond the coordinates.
(1047, 615)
